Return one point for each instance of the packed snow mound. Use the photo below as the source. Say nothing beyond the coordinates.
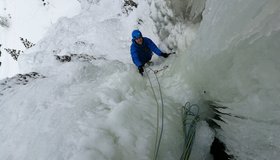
(82, 110)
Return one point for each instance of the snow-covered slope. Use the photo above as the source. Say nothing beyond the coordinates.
(29, 20)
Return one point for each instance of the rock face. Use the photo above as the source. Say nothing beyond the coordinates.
(19, 79)
(194, 10)
(190, 10)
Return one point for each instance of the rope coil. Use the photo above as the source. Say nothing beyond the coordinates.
(190, 114)
(190, 117)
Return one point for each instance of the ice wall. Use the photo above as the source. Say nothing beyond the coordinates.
(235, 59)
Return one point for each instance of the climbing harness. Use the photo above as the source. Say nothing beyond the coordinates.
(190, 114)
(158, 133)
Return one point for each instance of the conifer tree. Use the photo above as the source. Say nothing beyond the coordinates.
(27, 44)
(14, 53)
(128, 6)
(45, 2)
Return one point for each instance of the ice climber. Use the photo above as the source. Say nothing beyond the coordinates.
(141, 50)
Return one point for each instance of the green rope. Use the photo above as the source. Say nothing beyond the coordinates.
(190, 118)
(190, 114)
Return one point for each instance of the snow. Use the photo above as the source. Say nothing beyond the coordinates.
(97, 106)
(29, 20)
(82, 109)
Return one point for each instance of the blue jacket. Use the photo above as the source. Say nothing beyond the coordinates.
(141, 54)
